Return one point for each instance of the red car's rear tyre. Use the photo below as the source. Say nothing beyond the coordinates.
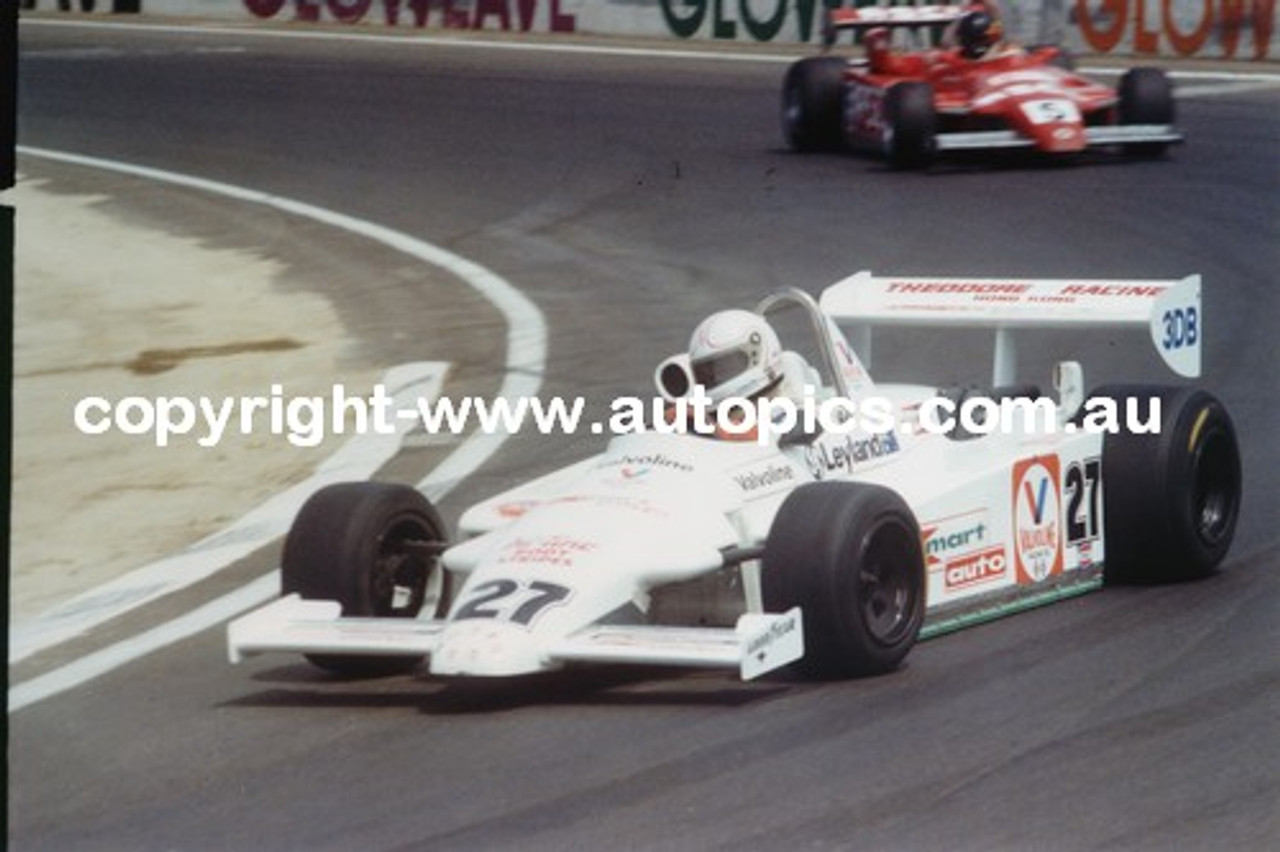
(912, 126)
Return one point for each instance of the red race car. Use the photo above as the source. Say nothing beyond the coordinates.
(972, 92)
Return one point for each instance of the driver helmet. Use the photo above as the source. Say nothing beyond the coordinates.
(735, 353)
(978, 30)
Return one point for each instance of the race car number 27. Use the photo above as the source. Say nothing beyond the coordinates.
(508, 600)
(1081, 485)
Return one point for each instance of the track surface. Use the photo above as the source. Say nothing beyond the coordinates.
(628, 197)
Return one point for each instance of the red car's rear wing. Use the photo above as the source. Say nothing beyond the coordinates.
(1169, 310)
(886, 16)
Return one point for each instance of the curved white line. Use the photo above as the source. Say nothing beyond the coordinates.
(358, 458)
(525, 362)
(113, 656)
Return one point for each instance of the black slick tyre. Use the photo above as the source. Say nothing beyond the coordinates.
(1170, 500)
(1146, 97)
(849, 554)
(813, 104)
(374, 548)
(912, 141)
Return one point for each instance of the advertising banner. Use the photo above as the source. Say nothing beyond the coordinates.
(1206, 29)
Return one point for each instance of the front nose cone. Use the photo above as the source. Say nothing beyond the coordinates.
(483, 648)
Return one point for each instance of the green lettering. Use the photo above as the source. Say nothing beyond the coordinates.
(684, 26)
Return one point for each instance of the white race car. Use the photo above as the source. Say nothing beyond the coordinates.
(833, 549)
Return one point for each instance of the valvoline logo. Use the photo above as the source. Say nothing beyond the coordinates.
(1037, 518)
(632, 468)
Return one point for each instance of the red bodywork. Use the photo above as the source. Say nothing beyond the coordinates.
(1026, 92)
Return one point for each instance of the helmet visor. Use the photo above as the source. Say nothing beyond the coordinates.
(715, 370)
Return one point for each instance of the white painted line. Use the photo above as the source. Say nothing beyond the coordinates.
(1207, 90)
(215, 612)
(112, 657)
(524, 365)
(358, 458)
(1239, 76)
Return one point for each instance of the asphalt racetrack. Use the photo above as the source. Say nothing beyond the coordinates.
(628, 196)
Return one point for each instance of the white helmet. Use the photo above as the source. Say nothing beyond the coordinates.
(735, 353)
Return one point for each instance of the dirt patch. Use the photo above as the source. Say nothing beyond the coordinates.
(106, 308)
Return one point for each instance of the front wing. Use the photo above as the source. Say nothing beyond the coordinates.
(759, 643)
(1118, 134)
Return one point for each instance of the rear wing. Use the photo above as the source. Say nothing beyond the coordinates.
(893, 17)
(1169, 310)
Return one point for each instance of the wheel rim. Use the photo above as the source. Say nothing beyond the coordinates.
(404, 573)
(887, 590)
(1215, 489)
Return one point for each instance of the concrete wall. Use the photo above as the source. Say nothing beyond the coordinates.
(1212, 29)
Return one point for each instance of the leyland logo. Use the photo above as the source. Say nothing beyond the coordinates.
(1037, 518)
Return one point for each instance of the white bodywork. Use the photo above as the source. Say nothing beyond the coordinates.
(648, 553)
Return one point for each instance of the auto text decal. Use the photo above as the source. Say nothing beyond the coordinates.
(961, 547)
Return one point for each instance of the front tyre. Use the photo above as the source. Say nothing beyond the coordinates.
(1146, 97)
(813, 104)
(849, 555)
(373, 547)
(1171, 499)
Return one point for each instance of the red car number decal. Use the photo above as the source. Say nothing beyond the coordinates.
(865, 115)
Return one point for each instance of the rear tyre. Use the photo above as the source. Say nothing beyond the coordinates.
(849, 555)
(1170, 500)
(813, 104)
(374, 548)
(912, 121)
(1146, 97)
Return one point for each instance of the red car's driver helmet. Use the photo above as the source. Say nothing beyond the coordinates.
(978, 30)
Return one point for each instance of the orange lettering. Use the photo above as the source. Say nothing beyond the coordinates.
(1188, 44)
(1144, 40)
(1103, 38)
(1262, 13)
